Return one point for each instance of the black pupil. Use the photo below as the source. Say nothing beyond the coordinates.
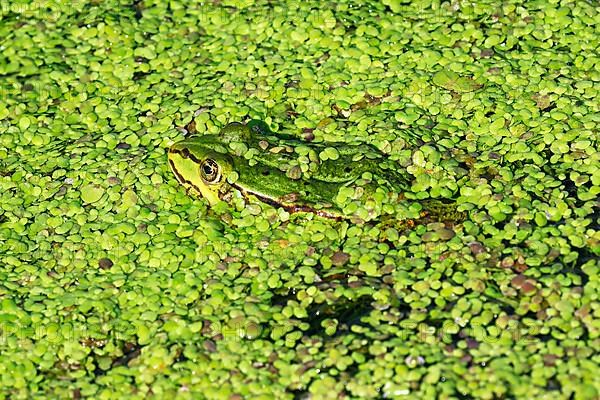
(210, 170)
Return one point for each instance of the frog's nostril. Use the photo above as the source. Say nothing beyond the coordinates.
(185, 153)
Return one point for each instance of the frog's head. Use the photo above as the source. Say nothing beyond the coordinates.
(200, 169)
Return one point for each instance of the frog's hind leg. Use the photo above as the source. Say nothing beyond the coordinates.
(440, 211)
(432, 211)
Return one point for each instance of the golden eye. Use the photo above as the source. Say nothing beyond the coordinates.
(210, 171)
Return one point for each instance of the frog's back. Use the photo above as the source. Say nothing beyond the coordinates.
(349, 163)
(352, 165)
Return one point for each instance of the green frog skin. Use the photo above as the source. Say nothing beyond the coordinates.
(284, 171)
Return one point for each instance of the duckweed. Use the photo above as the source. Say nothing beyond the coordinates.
(116, 284)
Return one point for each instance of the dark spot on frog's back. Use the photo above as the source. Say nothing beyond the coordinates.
(266, 172)
(258, 126)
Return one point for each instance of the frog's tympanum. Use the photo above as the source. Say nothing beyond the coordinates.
(284, 171)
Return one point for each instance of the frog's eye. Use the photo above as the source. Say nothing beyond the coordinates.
(210, 171)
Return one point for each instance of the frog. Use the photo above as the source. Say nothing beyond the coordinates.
(282, 170)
